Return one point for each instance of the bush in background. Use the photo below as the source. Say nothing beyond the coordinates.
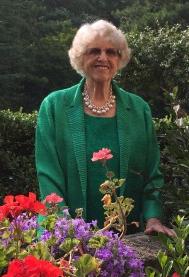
(160, 61)
(17, 171)
(174, 144)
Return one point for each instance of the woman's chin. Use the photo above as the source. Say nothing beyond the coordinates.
(100, 78)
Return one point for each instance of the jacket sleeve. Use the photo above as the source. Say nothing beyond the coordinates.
(153, 179)
(49, 171)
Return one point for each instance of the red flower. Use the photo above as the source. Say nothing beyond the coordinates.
(4, 211)
(30, 203)
(9, 199)
(53, 198)
(175, 274)
(102, 155)
(15, 268)
(14, 209)
(15, 205)
(32, 267)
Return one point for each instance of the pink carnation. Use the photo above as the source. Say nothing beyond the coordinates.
(53, 198)
(102, 155)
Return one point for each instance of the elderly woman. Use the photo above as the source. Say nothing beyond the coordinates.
(77, 121)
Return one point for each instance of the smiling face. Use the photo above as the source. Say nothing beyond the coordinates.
(101, 60)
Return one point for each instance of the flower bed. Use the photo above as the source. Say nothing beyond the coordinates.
(65, 246)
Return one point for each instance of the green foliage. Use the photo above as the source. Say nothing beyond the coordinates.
(39, 250)
(160, 61)
(175, 258)
(139, 14)
(86, 264)
(36, 35)
(19, 28)
(34, 55)
(174, 144)
(49, 222)
(116, 212)
(17, 174)
(69, 244)
(97, 241)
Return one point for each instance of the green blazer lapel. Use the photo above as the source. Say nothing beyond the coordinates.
(75, 114)
(123, 123)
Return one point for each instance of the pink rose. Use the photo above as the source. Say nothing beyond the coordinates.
(102, 155)
(53, 198)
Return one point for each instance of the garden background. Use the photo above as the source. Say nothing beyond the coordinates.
(35, 36)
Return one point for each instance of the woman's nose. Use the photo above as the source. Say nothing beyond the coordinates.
(102, 55)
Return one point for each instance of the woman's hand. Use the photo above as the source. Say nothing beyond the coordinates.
(155, 225)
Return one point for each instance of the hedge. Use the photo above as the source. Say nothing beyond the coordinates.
(17, 170)
(160, 62)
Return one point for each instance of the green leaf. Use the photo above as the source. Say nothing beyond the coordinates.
(69, 244)
(152, 272)
(40, 250)
(162, 258)
(171, 248)
(22, 254)
(186, 271)
(49, 222)
(86, 264)
(97, 241)
(6, 235)
(11, 250)
(121, 182)
(180, 246)
(3, 263)
(29, 235)
(179, 220)
(167, 268)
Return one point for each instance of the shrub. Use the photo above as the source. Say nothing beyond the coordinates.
(17, 174)
(174, 258)
(160, 62)
(174, 144)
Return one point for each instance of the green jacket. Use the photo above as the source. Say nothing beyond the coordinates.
(61, 150)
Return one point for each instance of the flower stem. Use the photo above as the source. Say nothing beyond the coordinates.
(122, 214)
(107, 227)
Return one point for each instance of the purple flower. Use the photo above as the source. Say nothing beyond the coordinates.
(46, 235)
(117, 259)
(24, 222)
(61, 229)
(104, 254)
(82, 229)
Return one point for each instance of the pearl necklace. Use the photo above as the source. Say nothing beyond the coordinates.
(98, 109)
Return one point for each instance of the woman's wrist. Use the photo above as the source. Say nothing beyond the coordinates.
(153, 220)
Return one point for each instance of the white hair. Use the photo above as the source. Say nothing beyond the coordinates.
(87, 33)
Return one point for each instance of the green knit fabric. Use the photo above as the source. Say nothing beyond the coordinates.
(100, 132)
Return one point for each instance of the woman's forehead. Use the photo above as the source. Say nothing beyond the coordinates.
(101, 42)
